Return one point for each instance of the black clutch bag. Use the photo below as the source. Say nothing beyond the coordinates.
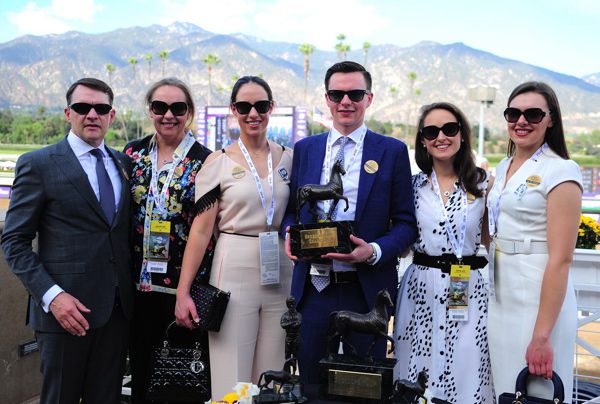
(179, 374)
(211, 303)
(520, 395)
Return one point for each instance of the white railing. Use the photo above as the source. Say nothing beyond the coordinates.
(585, 272)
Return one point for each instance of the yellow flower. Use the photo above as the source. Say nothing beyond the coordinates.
(588, 234)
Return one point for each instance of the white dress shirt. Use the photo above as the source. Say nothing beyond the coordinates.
(88, 163)
(350, 181)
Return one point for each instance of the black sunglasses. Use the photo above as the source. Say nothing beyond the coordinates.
(83, 108)
(244, 107)
(532, 115)
(431, 132)
(338, 95)
(161, 108)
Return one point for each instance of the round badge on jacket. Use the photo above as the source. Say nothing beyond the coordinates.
(371, 167)
(238, 172)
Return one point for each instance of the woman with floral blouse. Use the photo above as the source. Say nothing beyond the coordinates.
(164, 169)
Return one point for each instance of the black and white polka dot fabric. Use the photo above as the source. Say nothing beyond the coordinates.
(454, 353)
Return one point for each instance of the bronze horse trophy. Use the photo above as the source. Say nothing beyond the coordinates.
(333, 190)
(375, 322)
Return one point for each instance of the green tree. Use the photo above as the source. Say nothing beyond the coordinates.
(163, 56)
(148, 57)
(339, 46)
(412, 77)
(366, 47)
(210, 60)
(306, 49)
(133, 62)
(345, 49)
(110, 69)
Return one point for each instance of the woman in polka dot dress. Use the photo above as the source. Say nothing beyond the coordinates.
(440, 325)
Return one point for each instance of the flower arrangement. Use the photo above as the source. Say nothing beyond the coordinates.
(242, 394)
(589, 233)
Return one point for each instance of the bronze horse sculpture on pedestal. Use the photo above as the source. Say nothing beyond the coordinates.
(375, 322)
(333, 190)
(283, 376)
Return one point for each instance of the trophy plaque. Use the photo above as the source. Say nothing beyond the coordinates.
(323, 236)
(353, 377)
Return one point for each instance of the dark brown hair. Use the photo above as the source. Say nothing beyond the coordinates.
(93, 84)
(250, 79)
(555, 135)
(347, 67)
(469, 175)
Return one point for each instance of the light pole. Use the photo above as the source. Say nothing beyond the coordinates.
(485, 95)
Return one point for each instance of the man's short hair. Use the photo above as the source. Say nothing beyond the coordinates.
(93, 84)
(348, 67)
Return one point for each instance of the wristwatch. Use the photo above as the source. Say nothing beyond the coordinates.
(371, 260)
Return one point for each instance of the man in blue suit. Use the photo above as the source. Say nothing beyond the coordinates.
(378, 185)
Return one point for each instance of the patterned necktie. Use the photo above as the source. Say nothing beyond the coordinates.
(320, 282)
(107, 193)
(339, 156)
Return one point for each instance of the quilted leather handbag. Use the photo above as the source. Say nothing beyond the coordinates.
(520, 395)
(211, 303)
(179, 374)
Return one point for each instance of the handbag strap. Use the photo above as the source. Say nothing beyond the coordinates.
(521, 385)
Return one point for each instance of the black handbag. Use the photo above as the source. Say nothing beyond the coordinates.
(520, 395)
(179, 374)
(211, 303)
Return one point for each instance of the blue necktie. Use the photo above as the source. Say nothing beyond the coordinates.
(107, 193)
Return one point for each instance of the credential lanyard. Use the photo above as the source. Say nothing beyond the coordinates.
(270, 212)
(350, 162)
(457, 244)
(159, 199)
(498, 188)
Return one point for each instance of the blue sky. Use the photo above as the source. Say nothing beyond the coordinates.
(561, 35)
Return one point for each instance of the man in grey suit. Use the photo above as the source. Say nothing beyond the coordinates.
(74, 195)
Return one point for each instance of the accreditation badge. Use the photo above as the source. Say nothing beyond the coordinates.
(458, 298)
(269, 257)
(158, 246)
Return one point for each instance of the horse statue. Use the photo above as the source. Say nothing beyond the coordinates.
(283, 376)
(374, 322)
(406, 392)
(312, 193)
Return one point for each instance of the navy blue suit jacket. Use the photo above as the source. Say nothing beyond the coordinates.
(385, 211)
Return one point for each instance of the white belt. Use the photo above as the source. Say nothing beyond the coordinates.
(526, 246)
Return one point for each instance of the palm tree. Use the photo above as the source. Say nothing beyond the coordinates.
(412, 77)
(163, 55)
(148, 57)
(366, 47)
(339, 47)
(345, 49)
(110, 69)
(210, 60)
(306, 49)
(133, 62)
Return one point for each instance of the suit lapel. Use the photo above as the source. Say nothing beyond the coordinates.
(371, 151)
(316, 159)
(123, 174)
(69, 165)
(311, 170)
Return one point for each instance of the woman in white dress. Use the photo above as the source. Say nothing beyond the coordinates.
(441, 325)
(534, 211)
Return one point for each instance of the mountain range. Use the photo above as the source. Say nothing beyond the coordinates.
(37, 70)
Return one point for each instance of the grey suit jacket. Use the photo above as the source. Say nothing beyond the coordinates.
(77, 248)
